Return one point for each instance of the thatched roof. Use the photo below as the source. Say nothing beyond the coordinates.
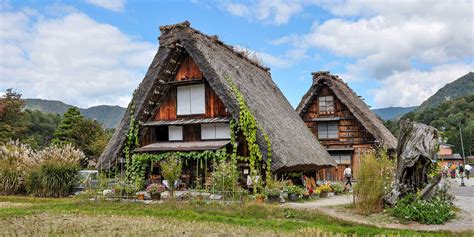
(355, 104)
(294, 147)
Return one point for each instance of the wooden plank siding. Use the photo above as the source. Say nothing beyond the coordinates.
(351, 133)
(188, 70)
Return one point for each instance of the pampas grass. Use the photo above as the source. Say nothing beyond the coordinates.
(375, 176)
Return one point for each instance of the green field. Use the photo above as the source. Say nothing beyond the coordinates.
(71, 216)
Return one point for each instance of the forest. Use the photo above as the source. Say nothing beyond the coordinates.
(449, 118)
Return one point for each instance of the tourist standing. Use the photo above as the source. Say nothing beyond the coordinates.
(461, 170)
(348, 175)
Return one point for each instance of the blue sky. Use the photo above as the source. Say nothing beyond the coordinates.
(90, 52)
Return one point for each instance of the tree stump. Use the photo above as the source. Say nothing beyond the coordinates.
(416, 152)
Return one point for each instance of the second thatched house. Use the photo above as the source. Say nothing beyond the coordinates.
(342, 122)
(194, 90)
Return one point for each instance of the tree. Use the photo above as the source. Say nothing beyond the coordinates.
(85, 134)
(171, 170)
(65, 131)
(41, 128)
(13, 122)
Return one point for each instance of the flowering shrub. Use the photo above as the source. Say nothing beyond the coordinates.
(326, 188)
(434, 211)
(155, 188)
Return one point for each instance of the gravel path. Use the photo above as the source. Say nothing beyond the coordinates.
(464, 200)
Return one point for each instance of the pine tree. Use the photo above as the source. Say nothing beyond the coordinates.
(65, 131)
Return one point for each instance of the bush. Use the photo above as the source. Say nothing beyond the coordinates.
(54, 172)
(374, 181)
(293, 189)
(437, 210)
(225, 178)
(337, 188)
(14, 160)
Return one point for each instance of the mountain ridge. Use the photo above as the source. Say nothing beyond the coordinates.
(108, 115)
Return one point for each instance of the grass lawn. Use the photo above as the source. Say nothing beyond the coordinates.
(73, 216)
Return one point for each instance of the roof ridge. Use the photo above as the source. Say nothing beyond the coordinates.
(214, 38)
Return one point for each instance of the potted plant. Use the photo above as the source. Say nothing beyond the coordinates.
(338, 188)
(273, 195)
(155, 191)
(324, 191)
(294, 192)
(306, 195)
(260, 198)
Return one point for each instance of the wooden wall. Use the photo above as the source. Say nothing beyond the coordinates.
(189, 71)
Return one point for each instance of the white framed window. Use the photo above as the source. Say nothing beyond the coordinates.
(326, 104)
(175, 133)
(191, 100)
(215, 131)
(328, 130)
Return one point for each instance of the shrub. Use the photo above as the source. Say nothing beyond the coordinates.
(171, 170)
(14, 160)
(337, 187)
(436, 210)
(373, 182)
(224, 177)
(54, 171)
(293, 189)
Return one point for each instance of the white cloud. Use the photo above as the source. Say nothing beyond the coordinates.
(276, 12)
(112, 5)
(71, 58)
(414, 86)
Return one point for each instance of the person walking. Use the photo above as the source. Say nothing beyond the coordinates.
(348, 175)
(467, 170)
(453, 171)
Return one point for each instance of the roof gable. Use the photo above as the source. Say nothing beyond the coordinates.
(354, 103)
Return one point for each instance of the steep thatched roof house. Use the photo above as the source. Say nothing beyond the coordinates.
(185, 103)
(342, 121)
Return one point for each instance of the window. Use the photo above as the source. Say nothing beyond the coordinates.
(328, 130)
(215, 131)
(175, 133)
(191, 100)
(342, 159)
(326, 104)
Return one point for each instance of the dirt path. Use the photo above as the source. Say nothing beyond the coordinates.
(332, 207)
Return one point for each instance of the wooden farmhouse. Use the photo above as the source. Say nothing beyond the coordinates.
(187, 101)
(342, 122)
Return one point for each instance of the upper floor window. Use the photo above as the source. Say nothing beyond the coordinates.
(328, 130)
(326, 104)
(215, 131)
(191, 100)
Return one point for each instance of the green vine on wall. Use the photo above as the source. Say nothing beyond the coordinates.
(131, 141)
(249, 127)
(136, 169)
